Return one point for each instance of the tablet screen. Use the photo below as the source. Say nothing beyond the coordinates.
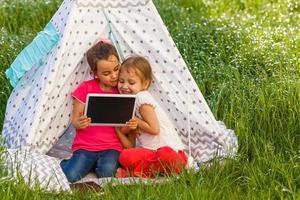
(110, 109)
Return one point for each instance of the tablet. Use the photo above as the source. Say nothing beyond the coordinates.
(110, 109)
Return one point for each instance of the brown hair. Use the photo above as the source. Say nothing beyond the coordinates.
(140, 65)
(100, 51)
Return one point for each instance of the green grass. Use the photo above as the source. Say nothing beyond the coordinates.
(245, 58)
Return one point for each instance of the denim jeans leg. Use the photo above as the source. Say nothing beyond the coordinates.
(107, 163)
(78, 165)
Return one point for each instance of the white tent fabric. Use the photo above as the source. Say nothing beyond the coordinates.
(35, 169)
(39, 108)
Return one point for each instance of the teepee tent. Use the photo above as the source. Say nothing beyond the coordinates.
(44, 74)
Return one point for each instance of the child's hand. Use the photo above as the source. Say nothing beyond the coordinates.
(132, 124)
(82, 122)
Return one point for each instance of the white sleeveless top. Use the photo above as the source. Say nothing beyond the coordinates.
(167, 135)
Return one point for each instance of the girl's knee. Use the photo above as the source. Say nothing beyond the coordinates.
(72, 175)
(167, 154)
(166, 149)
(129, 158)
(107, 169)
(72, 171)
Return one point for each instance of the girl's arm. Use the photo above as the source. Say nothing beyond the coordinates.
(149, 122)
(128, 133)
(128, 140)
(79, 121)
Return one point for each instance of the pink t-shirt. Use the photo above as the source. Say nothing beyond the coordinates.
(94, 138)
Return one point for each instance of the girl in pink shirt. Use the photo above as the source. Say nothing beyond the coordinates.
(95, 148)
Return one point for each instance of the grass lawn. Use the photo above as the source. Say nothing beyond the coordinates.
(245, 58)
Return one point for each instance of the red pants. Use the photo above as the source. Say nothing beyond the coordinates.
(147, 163)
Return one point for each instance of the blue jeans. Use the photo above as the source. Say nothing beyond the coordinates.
(104, 163)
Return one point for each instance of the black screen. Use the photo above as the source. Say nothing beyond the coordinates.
(111, 110)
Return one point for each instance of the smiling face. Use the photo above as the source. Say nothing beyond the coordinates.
(130, 82)
(108, 71)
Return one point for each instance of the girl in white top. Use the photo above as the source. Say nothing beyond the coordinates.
(158, 146)
(167, 135)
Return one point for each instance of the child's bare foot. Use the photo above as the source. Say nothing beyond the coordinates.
(122, 173)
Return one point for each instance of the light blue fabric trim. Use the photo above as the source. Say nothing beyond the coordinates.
(33, 54)
(112, 37)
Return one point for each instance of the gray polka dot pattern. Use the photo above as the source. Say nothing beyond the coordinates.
(39, 108)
